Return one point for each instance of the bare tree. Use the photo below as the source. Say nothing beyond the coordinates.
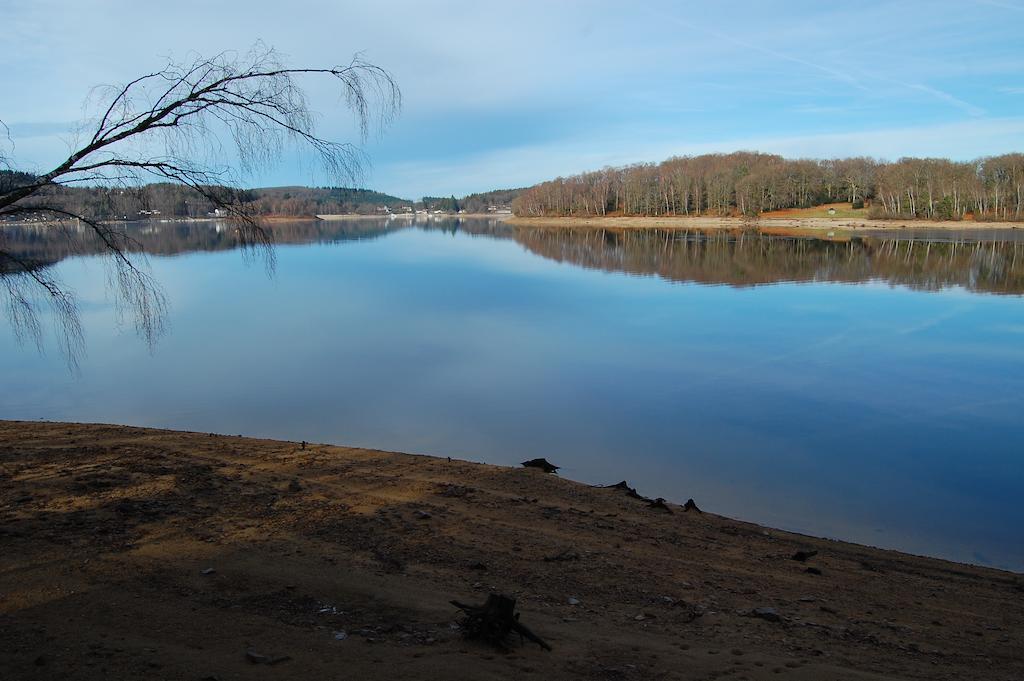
(206, 123)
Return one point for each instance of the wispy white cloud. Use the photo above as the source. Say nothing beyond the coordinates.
(828, 110)
(947, 97)
(1001, 4)
(834, 73)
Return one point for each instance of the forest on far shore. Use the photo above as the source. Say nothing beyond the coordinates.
(751, 183)
(171, 200)
(166, 199)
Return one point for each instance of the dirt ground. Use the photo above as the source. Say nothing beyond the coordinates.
(767, 224)
(129, 553)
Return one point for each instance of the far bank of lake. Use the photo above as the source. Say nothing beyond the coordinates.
(765, 224)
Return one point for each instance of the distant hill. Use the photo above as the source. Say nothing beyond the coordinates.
(498, 198)
(322, 200)
(484, 202)
(177, 201)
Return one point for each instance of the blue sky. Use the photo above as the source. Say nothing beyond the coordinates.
(512, 93)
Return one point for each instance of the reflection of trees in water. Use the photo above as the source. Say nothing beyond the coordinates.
(749, 258)
(52, 243)
(48, 244)
(493, 227)
(743, 258)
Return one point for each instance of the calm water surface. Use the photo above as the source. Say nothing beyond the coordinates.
(868, 390)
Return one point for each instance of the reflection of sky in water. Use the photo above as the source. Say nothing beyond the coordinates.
(864, 412)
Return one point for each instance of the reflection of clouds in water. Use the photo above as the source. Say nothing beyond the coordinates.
(931, 322)
(978, 406)
(746, 369)
(1008, 328)
(927, 416)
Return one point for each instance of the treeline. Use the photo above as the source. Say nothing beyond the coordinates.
(751, 183)
(483, 202)
(178, 201)
(448, 204)
(296, 201)
(106, 203)
(12, 179)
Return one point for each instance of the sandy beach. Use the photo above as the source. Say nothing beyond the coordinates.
(130, 553)
(765, 224)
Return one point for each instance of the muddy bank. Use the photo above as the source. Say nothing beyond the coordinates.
(130, 553)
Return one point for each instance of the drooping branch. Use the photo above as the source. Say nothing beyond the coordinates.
(136, 291)
(203, 124)
(22, 280)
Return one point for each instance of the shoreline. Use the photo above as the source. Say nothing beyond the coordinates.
(767, 225)
(269, 219)
(222, 544)
(409, 216)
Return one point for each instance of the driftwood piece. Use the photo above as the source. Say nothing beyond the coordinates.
(630, 491)
(493, 621)
(659, 504)
(542, 464)
(566, 554)
(802, 556)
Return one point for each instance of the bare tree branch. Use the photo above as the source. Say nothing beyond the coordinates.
(4, 160)
(204, 124)
(22, 282)
(136, 292)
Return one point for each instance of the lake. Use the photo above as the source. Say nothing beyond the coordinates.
(869, 389)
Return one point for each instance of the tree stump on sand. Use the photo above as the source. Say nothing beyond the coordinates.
(542, 464)
(494, 621)
(802, 556)
(659, 504)
(630, 491)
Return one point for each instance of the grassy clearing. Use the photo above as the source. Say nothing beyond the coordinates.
(841, 211)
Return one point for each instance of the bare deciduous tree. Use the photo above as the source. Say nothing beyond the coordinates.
(206, 123)
(751, 183)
